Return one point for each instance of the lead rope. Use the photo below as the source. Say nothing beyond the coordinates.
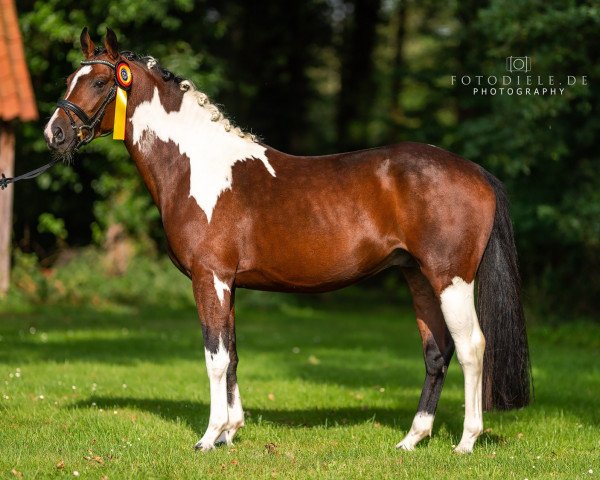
(6, 181)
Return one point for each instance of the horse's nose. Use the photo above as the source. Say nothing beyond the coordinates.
(58, 136)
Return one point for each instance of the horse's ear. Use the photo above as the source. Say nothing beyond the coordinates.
(87, 46)
(111, 44)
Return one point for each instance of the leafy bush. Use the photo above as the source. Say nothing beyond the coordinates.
(85, 280)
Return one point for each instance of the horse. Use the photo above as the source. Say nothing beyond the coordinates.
(238, 213)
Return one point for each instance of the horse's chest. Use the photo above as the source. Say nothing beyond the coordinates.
(209, 147)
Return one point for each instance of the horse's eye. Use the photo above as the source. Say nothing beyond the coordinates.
(99, 83)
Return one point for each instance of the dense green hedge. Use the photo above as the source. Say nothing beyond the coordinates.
(319, 76)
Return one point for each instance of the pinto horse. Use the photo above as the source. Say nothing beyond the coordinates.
(240, 214)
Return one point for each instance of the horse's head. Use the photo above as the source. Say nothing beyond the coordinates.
(87, 110)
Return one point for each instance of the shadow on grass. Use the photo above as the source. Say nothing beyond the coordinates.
(163, 335)
(123, 337)
(195, 415)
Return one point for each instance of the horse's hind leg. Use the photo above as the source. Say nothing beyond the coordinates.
(458, 305)
(437, 351)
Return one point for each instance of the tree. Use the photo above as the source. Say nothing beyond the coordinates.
(16, 102)
(356, 77)
(322, 76)
(543, 147)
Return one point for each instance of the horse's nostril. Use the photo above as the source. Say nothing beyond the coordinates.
(59, 135)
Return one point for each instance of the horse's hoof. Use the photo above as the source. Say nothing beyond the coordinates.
(407, 447)
(463, 450)
(204, 447)
(222, 439)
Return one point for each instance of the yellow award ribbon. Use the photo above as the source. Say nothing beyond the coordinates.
(120, 107)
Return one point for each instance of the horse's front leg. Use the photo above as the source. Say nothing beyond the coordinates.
(214, 298)
(234, 402)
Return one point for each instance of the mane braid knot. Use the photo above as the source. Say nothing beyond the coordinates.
(215, 114)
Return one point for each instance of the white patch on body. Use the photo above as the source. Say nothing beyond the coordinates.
(383, 172)
(211, 149)
(146, 145)
(216, 366)
(458, 307)
(420, 428)
(220, 288)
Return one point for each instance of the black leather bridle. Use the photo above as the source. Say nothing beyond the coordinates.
(85, 132)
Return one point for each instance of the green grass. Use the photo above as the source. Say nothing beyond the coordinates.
(330, 386)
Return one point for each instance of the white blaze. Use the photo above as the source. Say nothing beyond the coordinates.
(48, 129)
(82, 71)
(212, 151)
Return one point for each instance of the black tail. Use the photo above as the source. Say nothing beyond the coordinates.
(506, 369)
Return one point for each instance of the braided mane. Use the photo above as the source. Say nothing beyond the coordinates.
(185, 85)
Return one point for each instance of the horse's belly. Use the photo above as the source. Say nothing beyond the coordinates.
(318, 270)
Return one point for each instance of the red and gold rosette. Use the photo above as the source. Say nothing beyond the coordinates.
(124, 79)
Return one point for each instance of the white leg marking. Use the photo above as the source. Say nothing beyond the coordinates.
(236, 415)
(220, 288)
(458, 306)
(421, 428)
(236, 418)
(216, 366)
(212, 150)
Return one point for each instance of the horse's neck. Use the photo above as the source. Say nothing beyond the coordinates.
(155, 160)
(179, 141)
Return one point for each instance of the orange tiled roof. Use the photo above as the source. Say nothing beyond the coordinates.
(16, 94)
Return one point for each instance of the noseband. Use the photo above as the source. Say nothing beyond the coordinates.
(85, 132)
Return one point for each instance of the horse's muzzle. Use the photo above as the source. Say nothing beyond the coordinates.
(58, 134)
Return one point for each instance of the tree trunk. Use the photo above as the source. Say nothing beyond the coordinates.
(356, 79)
(7, 161)
(399, 70)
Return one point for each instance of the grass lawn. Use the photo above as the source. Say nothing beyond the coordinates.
(329, 388)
